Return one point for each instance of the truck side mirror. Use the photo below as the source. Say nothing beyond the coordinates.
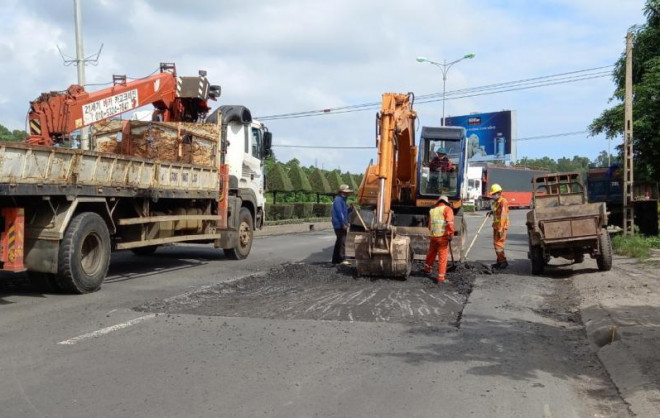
(268, 144)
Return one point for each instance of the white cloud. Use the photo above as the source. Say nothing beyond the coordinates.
(290, 55)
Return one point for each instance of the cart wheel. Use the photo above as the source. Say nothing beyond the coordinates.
(538, 261)
(604, 260)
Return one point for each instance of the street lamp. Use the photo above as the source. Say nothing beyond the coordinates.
(444, 66)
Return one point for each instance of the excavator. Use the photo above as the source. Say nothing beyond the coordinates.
(389, 230)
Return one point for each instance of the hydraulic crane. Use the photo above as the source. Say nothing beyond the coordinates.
(54, 115)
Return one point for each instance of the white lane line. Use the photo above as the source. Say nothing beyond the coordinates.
(107, 330)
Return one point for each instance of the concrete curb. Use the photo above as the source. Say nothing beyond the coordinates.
(617, 338)
(293, 228)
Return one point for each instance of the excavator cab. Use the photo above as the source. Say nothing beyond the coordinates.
(441, 162)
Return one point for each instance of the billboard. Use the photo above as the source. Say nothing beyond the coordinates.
(491, 136)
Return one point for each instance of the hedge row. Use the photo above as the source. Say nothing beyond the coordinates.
(304, 210)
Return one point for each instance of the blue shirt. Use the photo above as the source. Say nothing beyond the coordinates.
(339, 212)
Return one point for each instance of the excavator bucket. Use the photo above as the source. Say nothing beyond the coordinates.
(395, 261)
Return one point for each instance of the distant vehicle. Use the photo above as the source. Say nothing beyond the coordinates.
(604, 184)
(516, 183)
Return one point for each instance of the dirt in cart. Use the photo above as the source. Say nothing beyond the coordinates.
(323, 291)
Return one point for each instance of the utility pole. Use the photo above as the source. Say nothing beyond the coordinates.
(80, 61)
(628, 210)
(80, 64)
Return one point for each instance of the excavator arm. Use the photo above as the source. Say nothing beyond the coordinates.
(54, 115)
(380, 251)
(394, 176)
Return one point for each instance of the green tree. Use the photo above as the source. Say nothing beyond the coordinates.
(646, 106)
(348, 178)
(319, 184)
(603, 160)
(334, 180)
(12, 136)
(277, 181)
(299, 180)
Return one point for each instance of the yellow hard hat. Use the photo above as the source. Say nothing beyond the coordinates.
(495, 188)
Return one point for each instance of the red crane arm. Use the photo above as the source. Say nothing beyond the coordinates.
(53, 116)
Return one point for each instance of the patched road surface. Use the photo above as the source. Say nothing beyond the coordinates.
(321, 291)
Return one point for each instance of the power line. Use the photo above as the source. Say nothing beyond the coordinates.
(560, 78)
(529, 138)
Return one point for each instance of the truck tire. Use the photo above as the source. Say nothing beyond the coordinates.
(538, 261)
(145, 251)
(245, 237)
(604, 260)
(84, 255)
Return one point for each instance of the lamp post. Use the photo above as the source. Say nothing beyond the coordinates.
(444, 66)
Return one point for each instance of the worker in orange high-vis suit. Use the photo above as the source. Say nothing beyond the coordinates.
(500, 212)
(441, 232)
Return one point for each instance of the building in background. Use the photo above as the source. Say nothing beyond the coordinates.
(491, 136)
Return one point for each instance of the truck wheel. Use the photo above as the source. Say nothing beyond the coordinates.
(145, 251)
(604, 260)
(84, 255)
(245, 236)
(538, 261)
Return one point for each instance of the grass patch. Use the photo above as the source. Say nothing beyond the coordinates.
(636, 246)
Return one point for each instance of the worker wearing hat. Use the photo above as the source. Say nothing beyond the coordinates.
(440, 162)
(441, 232)
(340, 212)
(500, 212)
(439, 165)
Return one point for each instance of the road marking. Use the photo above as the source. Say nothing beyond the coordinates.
(107, 330)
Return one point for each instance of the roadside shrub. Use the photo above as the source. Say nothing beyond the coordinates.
(276, 212)
(322, 210)
(303, 210)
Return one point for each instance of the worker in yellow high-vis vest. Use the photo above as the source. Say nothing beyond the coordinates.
(441, 232)
(500, 211)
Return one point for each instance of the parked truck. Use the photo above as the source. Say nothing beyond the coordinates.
(605, 184)
(185, 176)
(516, 183)
(564, 224)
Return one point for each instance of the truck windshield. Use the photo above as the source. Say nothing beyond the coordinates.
(439, 172)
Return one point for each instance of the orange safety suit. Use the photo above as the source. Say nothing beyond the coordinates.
(500, 227)
(441, 227)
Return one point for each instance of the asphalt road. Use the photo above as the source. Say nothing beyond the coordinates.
(186, 333)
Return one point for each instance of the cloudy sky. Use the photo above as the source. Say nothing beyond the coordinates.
(281, 56)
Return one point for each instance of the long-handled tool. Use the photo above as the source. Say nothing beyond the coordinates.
(477, 234)
(453, 263)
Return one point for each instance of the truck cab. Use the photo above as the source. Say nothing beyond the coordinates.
(249, 144)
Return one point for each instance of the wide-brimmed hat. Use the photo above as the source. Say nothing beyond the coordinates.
(443, 198)
(344, 188)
